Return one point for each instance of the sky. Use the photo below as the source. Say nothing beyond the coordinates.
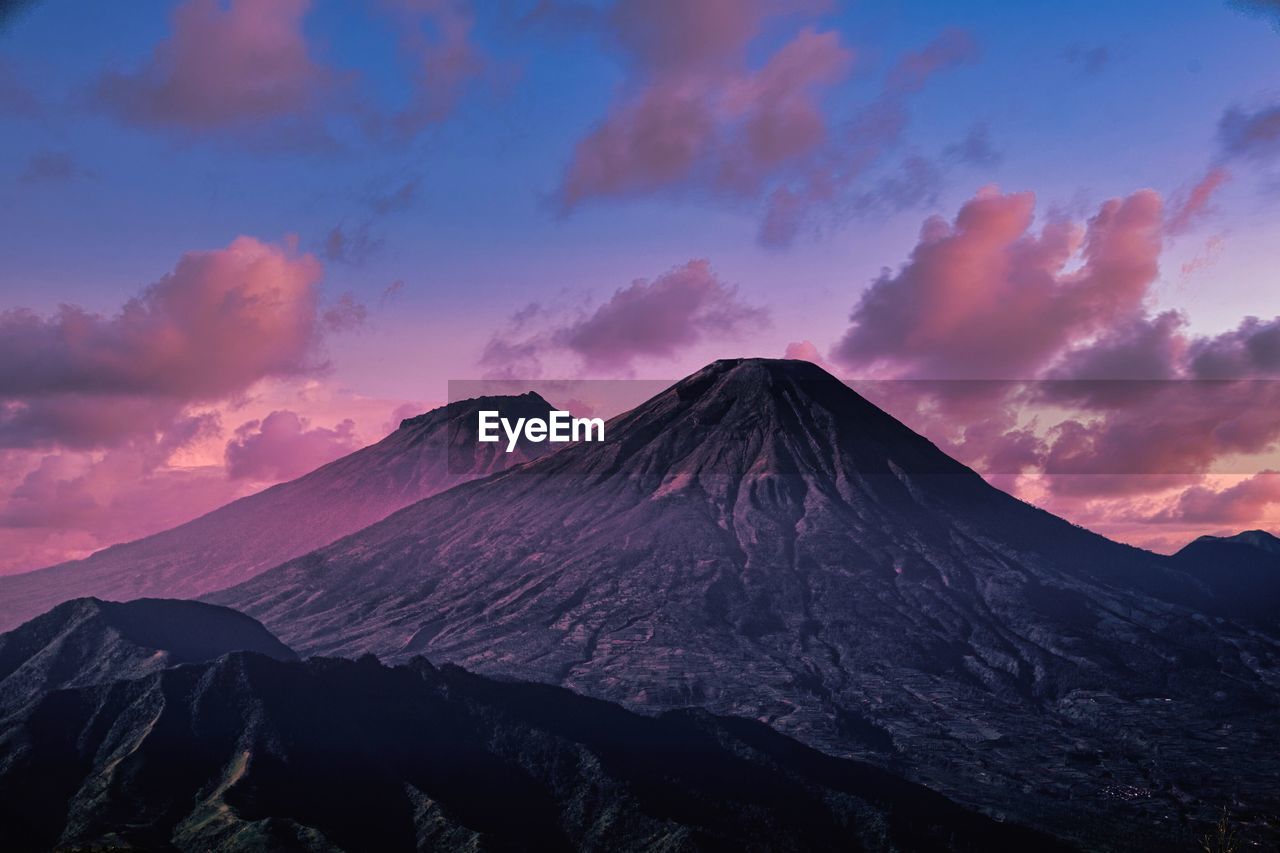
(243, 237)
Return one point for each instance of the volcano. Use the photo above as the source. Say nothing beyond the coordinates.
(759, 540)
(425, 455)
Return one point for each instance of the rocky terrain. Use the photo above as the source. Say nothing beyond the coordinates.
(761, 541)
(427, 454)
(254, 752)
(86, 641)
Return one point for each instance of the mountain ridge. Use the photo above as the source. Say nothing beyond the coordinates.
(424, 455)
(87, 641)
(761, 541)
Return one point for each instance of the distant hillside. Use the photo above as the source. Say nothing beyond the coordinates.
(426, 455)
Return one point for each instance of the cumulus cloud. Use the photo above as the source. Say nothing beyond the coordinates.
(220, 321)
(807, 351)
(647, 319)
(1249, 351)
(67, 504)
(284, 445)
(1031, 352)
(985, 296)
(1240, 504)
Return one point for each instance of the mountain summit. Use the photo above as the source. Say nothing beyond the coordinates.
(760, 540)
(427, 454)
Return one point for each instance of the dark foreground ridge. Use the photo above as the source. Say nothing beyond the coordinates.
(759, 540)
(1241, 573)
(427, 454)
(87, 641)
(253, 753)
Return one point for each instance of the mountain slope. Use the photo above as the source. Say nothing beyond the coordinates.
(426, 455)
(1241, 573)
(251, 753)
(87, 641)
(761, 541)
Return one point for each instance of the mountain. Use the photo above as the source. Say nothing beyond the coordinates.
(87, 641)
(427, 454)
(1241, 573)
(252, 753)
(761, 541)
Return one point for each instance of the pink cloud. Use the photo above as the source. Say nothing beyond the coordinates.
(647, 319)
(1031, 355)
(1238, 505)
(986, 297)
(223, 65)
(245, 67)
(658, 318)
(1197, 202)
(703, 116)
(67, 504)
(220, 321)
(284, 445)
(806, 351)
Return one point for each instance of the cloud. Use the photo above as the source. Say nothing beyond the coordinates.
(354, 246)
(223, 66)
(435, 39)
(1197, 202)
(17, 98)
(67, 504)
(397, 199)
(220, 321)
(1240, 504)
(706, 113)
(1249, 351)
(824, 188)
(51, 167)
(648, 319)
(284, 445)
(985, 296)
(704, 119)
(1031, 353)
(1090, 60)
(1261, 8)
(344, 314)
(658, 318)
(1250, 135)
(976, 149)
(806, 351)
(245, 69)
